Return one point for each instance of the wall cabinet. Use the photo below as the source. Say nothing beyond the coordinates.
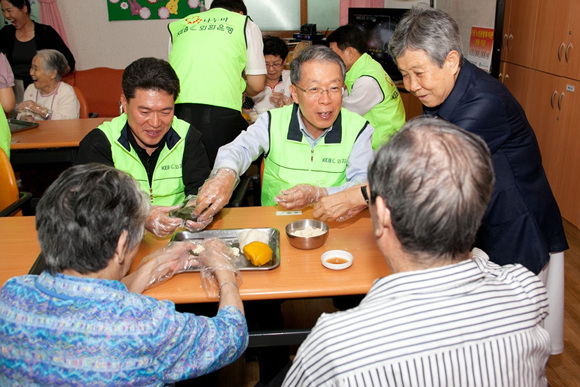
(553, 113)
(516, 79)
(557, 38)
(547, 85)
(518, 31)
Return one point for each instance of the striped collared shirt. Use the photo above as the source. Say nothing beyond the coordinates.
(469, 324)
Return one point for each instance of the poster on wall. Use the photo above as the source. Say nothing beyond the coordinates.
(481, 47)
(153, 9)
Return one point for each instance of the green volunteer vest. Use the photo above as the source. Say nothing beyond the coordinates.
(167, 188)
(291, 160)
(208, 53)
(388, 116)
(5, 134)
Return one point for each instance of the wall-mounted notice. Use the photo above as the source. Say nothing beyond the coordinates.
(480, 47)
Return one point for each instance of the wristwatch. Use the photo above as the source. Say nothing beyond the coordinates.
(363, 189)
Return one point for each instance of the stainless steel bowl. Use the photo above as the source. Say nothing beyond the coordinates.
(306, 243)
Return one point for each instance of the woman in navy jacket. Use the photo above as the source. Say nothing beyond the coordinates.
(522, 223)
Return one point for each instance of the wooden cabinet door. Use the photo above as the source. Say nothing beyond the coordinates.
(567, 190)
(520, 34)
(571, 64)
(516, 79)
(551, 35)
(506, 29)
(541, 111)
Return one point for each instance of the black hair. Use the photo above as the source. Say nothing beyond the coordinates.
(150, 74)
(348, 36)
(275, 46)
(230, 5)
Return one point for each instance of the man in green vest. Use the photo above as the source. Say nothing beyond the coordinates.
(311, 149)
(370, 91)
(164, 154)
(210, 52)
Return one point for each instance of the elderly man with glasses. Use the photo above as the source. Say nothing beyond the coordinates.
(311, 149)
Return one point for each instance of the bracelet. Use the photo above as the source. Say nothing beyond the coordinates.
(226, 283)
(363, 189)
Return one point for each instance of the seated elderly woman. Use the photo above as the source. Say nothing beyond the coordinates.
(277, 90)
(47, 98)
(79, 323)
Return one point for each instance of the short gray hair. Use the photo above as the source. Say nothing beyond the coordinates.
(84, 212)
(427, 29)
(317, 53)
(53, 60)
(436, 179)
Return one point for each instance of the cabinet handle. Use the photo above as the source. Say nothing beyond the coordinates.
(500, 77)
(505, 78)
(567, 49)
(562, 45)
(552, 98)
(508, 42)
(560, 101)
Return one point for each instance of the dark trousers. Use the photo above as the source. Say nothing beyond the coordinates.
(218, 125)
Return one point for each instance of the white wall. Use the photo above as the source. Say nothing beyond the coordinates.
(96, 42)
(469, 13)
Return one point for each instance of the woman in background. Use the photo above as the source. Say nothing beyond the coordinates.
(47, 98)
(23, 38)
(277, 91)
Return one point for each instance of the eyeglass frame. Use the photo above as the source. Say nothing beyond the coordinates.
(275, 65)
(310, 91)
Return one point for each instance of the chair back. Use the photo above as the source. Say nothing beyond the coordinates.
(9, 192)
(84, 110)
(101, 87)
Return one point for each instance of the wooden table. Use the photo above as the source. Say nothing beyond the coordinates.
(300, 274)
(55, 134)
(18, 246)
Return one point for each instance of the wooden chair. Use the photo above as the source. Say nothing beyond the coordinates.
(11, 200)
(84, 110)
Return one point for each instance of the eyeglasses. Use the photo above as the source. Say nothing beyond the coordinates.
(275, 65)
(314, 91)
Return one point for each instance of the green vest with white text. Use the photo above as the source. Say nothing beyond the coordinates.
(389, 115)
(291, 160)
(167, 188)
(208, 53)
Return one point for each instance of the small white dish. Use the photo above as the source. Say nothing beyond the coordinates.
(336, 259)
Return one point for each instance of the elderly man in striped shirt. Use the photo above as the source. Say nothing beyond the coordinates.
(445, 316)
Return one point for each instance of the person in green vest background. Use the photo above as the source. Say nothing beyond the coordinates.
(370, 91)
(217, 55)
(311, 149)
(164, 154)
(6, 102)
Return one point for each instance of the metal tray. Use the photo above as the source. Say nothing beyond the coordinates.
(19, 125)
(230, 237)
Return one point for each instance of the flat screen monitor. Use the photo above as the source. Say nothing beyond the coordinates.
(378, 25)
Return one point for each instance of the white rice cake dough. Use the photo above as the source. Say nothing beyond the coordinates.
(249, 236)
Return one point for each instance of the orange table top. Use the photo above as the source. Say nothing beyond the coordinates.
(300, 274)
(55, 134)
